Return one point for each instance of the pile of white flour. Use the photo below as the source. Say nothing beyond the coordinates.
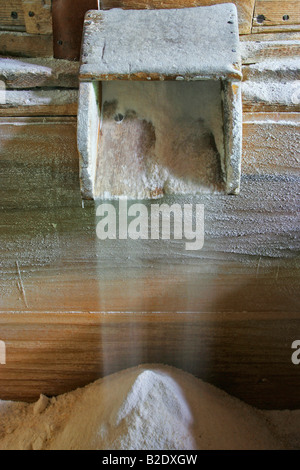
(147, 407)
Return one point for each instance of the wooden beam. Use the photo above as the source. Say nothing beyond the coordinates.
(272, 86)
(272, 37)
(68, 17)
(38, 72)
(40, 103)
(25, 45)
(259, 47)
(46, 150)
(276, 29)
(276, 16)
(11, 13)
(253, 106)
(276, 13)
(270, 145)
(38, 16)
(246, 354)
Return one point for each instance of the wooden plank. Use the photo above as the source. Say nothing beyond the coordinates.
(283, 69)
(276, 118)
(25, 45)
(40, 110)
(275, 139)
(268, 37)
(40, 103)
(271, 144)
(262, 47)
(276, 13)
(245, 7)
(39, 153)
(272, 86)
(11, 13)
(38, 72)
(272, 72)
(68, 17)
(276, 29)
(249, 356)
(253, 105)
(272, 16)
(68, 273)
(16, 29)
(38, 16)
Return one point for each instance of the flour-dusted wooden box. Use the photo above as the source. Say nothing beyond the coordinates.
(165, 74)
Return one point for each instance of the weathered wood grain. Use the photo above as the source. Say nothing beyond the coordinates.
(25, 45)
(245, 7)
(258, 105)
(288, 36)
(11, 13)
(68, 18)
(39, 162)
(276, 13)
(272, 73)
(248, 355)
(276, 29)
(260, 47)
(15, 29)
(38, 16)
(272, 16)
(38, 72)
(271, 145)
(40, 102)
(272, 86)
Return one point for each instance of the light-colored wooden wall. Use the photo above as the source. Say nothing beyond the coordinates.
(69, 313)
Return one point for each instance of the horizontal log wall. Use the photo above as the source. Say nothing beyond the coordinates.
(70, 311)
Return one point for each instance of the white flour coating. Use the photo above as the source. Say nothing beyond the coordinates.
(165, 141)
(287, 64)
(40, 97)
(273, 82)
(270, 92)
(27, 73)
(147, 407)
(255, 51)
